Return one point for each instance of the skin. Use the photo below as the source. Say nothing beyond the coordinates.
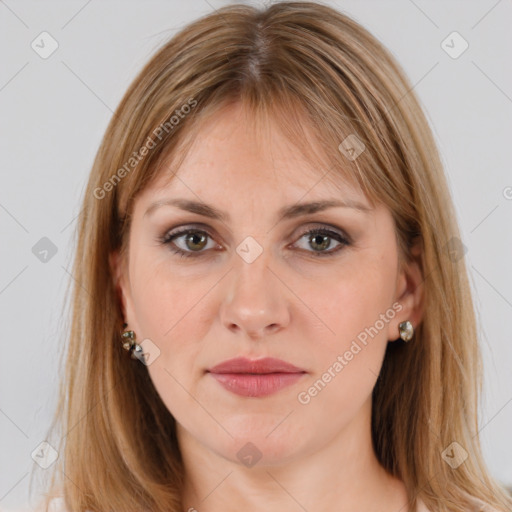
(288, 303)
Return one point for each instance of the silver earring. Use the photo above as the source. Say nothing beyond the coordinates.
(130, 344)
(406, 330)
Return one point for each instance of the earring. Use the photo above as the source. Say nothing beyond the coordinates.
(406, 330)
(129, 342)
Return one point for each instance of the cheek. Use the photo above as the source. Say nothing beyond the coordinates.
(170, 313)
(356, 306)
(352, 299)
(171, 310)
(348, 362)
(165, 301)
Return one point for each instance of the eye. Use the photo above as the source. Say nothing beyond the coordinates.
(191, 240)
(321, 239)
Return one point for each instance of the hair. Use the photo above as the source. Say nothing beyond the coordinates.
(323, 78)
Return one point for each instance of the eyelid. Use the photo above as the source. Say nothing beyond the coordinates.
(325, 226)
(327, 229)
(196, 226)
(204, 227)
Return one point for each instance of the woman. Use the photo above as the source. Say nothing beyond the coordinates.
(267, 232)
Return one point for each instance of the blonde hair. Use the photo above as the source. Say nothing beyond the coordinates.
(323, 78)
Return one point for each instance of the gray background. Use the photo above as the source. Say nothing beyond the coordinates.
(54, 112)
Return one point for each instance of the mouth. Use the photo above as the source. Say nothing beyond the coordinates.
(256, 378)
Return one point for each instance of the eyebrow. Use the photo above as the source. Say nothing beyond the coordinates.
(287, 212)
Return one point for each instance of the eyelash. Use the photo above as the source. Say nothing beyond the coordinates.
(168, 239)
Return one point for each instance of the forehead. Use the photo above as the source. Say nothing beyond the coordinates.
(235, 151)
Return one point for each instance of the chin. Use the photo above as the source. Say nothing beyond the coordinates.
(254, 447)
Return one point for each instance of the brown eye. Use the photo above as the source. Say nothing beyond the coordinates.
(195, 241)
(320, 242)
(321, 239)
(188, 242)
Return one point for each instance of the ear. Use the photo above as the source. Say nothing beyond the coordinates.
(409, 292)
(117, 270)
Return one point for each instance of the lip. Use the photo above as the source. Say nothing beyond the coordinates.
(256, 377)
(264, 365)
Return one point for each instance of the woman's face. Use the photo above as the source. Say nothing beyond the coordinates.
(253, 284)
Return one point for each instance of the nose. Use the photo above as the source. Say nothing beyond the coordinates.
(255, 301)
